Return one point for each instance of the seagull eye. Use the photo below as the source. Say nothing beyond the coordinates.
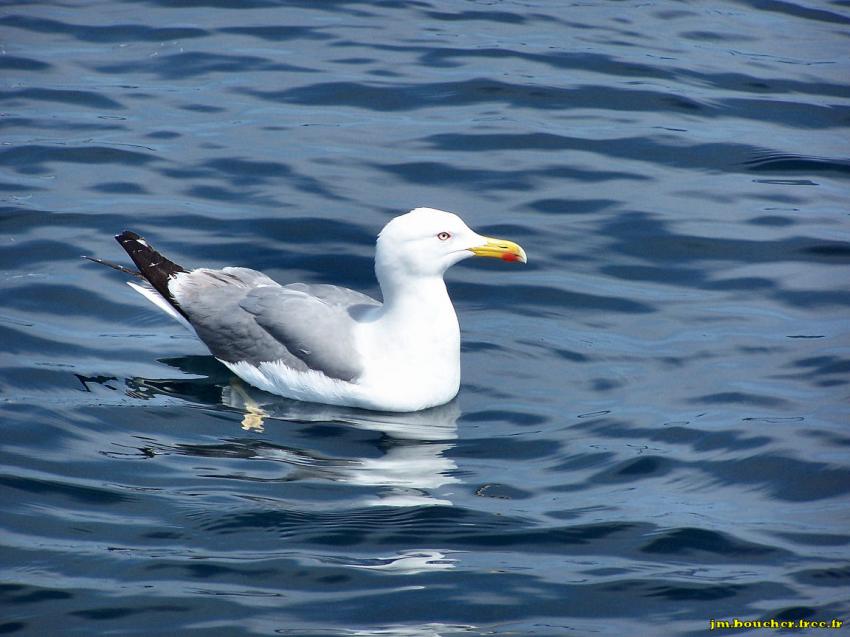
(444, 236)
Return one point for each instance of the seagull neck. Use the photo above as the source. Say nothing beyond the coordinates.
(420, 296)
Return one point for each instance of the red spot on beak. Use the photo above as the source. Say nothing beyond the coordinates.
(509, 256)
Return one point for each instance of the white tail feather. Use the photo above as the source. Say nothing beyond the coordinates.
(157, 299)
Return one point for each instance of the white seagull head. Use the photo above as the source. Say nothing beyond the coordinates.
(426, 242)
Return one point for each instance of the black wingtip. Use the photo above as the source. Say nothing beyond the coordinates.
(127, 235)
(154, 267)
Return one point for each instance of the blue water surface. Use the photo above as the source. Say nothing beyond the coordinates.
(652, 429)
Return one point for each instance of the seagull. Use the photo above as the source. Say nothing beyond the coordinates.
(326, 344)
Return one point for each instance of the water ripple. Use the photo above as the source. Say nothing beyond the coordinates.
(651, 427)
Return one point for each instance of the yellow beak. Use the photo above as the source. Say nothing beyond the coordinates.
(500, 249)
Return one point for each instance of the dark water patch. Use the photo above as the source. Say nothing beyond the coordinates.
(241, 196)
(823, 365)
(408, 97)
(714, 36)
(341, 7)
(237, 171)
(469, 178)
(795, 612)
(513, 417)
(202, 108)
(26, 379)
(830, 438)
(795, 10)
(502, 492)
(359, 274)
(50, 124)
(646, 465)
(15, 63)
(490, 179)
(181, 66)
(63, 490)
(210, 4)
(246, 449)
(814, 298)
(787, 479)
(354, 60)
(33, 158)
(519, 231)
(582, 174)
(594, 414)
(749, 284)
(120, 187)
(712, 156)
(838, 250)
(838, 577)
(104, 34)
(497, 598)
(665, 275)
(227, 243)
(4, 187)
(310, 230)
(503, 17)
(21, 220)
(31, 594)
(164, 134)
(82, 98)
(240, 173)
(447, 56)
(738, 398)
(572, 206)
(580, 462)
(51, 299)
(816, 539)
(515, 297)
(478, 346)
(208, 570)
(786, 182)
(624, 472)
(570, 355)
(37, 251)
(278, 33)
(680, 593)
(7, 628)
(436, 526)
(791, 115)
(107, 613)
(647, 237)
(499, 448)
(614, 65)
(774, 221)
(580, 512)
(710, 440)
(605, 384)
(694, 542)
(700, 440)
(50, 342)
(788, 163)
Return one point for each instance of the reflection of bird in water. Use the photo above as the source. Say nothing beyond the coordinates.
(409, 467)
(412, 461)
(328, 344)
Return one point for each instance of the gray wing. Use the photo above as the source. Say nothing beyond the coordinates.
(243, 315)
(313, 322)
